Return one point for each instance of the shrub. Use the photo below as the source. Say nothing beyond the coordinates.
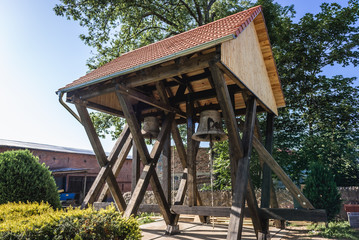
(321, 190)
(337, 230)
(23, 178)
(47, 223)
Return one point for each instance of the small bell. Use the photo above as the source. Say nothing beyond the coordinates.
(150, 128)
(210, 127)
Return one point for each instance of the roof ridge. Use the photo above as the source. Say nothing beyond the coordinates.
(191, 30)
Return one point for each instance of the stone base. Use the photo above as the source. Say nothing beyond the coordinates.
(172, 229)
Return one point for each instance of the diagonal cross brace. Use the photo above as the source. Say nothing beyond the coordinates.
(149, 175)
(102, 160)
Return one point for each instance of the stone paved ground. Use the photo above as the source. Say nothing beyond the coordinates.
(196, 230)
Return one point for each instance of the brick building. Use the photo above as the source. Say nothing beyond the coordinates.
(75, 170)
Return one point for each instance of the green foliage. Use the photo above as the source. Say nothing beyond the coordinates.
(106, 124)
(321, 190)
(40, 221)
(337, 230)
(23, 178)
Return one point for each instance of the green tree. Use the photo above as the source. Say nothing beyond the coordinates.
(321, 120)
(23, 178)
(321, 110)
(321, 190)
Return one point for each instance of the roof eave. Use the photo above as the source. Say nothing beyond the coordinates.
(185, 52)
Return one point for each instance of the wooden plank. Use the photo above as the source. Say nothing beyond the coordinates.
(148, 100)
(293, 189)
(191, 155)
(135, 167)
(312, 215)
(317, 215)
(161, 73)
(149, 208)
(243, 56)
(117, 166)
(101, 157)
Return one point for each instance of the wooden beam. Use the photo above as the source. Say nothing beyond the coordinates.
(149, 174)
(161, 73)
(105, 171)
(205, 94)
(241, 184)
(191, 154)
(181, 152)
(166, 169)
(135, 167)
(293, 189)
(117, 166)
(267, 174)
(235, 143)
(148, 100)
(317, 215)
(135, 128)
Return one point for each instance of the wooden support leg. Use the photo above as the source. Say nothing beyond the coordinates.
(166, 175)
(148, 161)
(106, 167)
(267, 173)
(117, 166)
(191, 155)
(181, 153)
(241, 185)
(135, 167)
(239, 154)
(293, 189)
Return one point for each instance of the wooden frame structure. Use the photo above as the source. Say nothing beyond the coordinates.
(234, 74)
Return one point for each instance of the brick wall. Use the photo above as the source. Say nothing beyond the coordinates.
(56, 160)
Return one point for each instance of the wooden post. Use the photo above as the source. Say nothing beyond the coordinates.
(240, 189)
(166, 170)
(191, 157)
(237, 156)
(135, 167)
(267, 173)
(149, 175)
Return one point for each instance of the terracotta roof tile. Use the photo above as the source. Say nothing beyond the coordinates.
(233, 24)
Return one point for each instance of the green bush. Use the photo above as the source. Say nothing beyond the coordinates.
(321, 190)
(47, 223)
(23, 178)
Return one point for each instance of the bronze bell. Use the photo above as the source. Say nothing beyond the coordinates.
(210, 127)
(151, 127)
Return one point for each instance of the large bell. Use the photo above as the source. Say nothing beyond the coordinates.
(210, 127)
(150, 129)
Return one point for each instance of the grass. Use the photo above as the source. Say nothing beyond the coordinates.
(144, 218)
(337, 230)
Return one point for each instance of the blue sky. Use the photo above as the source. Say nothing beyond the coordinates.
(41, 52)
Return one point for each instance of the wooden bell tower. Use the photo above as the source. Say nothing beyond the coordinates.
(226, 65)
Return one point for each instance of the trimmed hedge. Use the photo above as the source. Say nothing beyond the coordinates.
(41, 221)
(23, 178)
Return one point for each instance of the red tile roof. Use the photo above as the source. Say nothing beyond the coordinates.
(231, 25)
